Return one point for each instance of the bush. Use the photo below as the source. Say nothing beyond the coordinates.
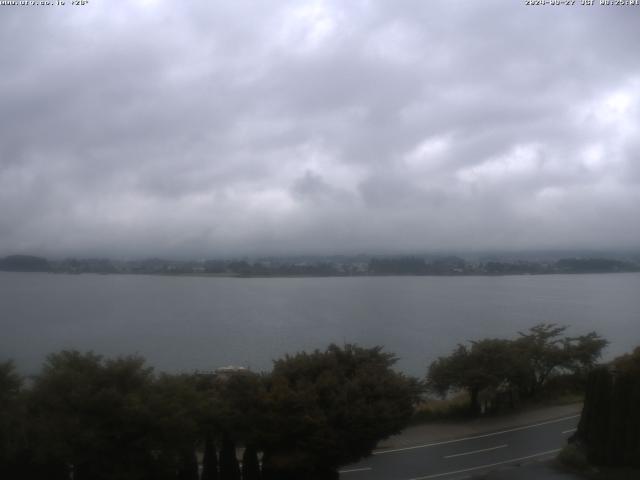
(432, 409)
(574, 458)
(565, 388)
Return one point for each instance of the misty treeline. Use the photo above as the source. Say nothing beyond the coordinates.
(498, 372)
(87, 417)
(325, 267)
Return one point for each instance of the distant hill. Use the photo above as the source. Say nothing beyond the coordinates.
(24, 263)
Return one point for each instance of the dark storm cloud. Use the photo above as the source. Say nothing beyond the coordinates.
(205, 128)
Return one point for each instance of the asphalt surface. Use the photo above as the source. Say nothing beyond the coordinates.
(467, 456)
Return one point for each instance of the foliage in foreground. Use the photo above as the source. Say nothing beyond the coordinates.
(494, 370)
(609, 428)
(573, 458)
(107, 419)
(331, 408)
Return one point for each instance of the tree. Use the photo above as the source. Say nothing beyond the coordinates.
(235, 414)
(176, 406)
(188, 468)
(329, 408)
(628, 363)
(107, 419)
(547, 352)
(11, 420)
(250, 464)
(238, 406)
(398, 266)
(24, 263)
(609, 428)
(487, 363)
(523, 365)
(91, 414)
(229, 468)
(209, 459)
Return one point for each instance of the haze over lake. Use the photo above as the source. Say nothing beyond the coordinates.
(188, 323)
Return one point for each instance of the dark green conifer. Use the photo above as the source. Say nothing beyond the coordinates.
(229, 468)
(210, 460)
(188, 465)
(250, 464)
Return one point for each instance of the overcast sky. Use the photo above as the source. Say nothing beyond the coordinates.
(210, 128)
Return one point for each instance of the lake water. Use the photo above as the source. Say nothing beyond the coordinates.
(188, 323)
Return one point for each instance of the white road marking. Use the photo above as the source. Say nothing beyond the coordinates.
(569, 431)
(558, 420)
(353, 470)
(476, 451)
(490, 465)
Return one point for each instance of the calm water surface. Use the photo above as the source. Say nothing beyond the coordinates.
(187, 323)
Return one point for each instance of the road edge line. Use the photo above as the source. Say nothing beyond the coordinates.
(455, 472)
(474, 437)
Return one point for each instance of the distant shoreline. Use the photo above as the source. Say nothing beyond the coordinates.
(416, 266)
(364, 275)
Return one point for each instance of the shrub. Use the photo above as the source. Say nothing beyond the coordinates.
(574, 458)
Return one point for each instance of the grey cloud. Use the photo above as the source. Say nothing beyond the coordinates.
(144, 128)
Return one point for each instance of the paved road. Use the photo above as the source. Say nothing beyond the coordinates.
(463, 457)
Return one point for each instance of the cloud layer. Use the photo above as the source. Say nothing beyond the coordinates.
(222, 128)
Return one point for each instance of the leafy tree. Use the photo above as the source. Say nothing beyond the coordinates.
(487, 363)
(331, 407)
(234, 414)
(113, 419)
(524, 364)
(238, 406)
(90, 413)
(10, 383)
(543, 348)
(628, 363)
(11, 420)
(176, 406)
(547, 352)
